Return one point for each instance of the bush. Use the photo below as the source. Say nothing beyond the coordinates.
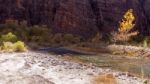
(9, 38)
(10, 43)
(57, 38)
(146, 42)
(39, 30)
(97, 38)
(141, 40)
(7, 47)
(13, 47)
(70, 39)
(65, 39)
(40, 34)
(19, 46)
(11, 23)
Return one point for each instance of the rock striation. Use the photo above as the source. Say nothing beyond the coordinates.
(83, 17)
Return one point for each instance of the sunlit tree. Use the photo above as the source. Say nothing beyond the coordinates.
(125, 26)
(127, 22)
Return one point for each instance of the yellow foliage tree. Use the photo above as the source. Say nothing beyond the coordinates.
(125, 26)
(127, 22)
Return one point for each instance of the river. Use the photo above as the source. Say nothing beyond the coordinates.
(136, 66)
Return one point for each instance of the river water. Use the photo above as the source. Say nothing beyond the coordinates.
(136, 66)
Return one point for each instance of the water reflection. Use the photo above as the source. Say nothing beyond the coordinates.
(140, 67)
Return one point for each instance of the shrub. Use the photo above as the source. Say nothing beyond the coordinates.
(10, 37)
(40, 34)
(13, 47)
(97, 38)
(65, 39)
(11, 23)
(146, 41)
(57, 38)
(19, 46)
(141, 40)
(39, 30)
(10, 43)
(24, 24)
(70, 39)
(77, 39)
(7, 47)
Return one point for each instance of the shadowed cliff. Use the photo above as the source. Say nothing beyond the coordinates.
(83, 17)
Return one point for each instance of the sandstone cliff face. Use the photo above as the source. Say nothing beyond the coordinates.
(84, 17)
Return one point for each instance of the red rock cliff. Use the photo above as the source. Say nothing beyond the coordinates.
(84, 17)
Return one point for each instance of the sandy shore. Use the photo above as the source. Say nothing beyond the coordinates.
(43, 68)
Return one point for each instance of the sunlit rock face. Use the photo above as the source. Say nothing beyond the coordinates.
(83, 17)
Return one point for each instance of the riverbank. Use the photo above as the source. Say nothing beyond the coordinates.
(41, 67)
(115, 49)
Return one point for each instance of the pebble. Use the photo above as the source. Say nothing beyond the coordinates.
(91, 74)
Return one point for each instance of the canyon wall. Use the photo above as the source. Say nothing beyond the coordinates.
(83, 17)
